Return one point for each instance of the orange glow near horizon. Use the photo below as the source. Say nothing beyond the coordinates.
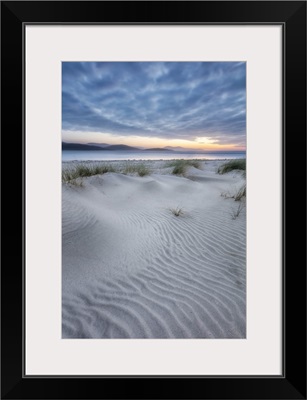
(200, 143)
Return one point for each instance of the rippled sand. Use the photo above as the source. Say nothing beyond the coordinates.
(132, 269)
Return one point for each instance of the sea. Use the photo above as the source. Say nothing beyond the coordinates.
(77, 155)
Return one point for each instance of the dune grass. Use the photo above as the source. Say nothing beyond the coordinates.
(176, 211)
(75, 174)
(76, 182)
(237, 194)
(180, 166)
(139, 169)
(232, 165)
(236, 212)
(241, 193)
(81, 171)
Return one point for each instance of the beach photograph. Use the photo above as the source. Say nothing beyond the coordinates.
(154, 200)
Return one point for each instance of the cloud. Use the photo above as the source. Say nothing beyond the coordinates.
(182, 100)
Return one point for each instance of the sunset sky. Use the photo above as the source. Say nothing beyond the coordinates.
(154, 104)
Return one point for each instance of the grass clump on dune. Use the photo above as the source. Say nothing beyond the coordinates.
(232, 165)
(81, 171)
(236, 212)
(139, 169)
(176, 211)
(241, 193)
(237, 195)
(180, 166)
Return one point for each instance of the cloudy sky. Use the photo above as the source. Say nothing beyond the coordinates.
(152, 104)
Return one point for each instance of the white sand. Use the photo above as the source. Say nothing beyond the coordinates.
(132, 269)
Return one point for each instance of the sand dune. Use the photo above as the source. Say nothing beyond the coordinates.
(132, 269)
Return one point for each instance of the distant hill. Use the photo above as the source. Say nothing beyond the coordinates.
(158, 149)
(177, 148)
(79, 146)
(185, 150)
(98, 144)
(112, 147)
(92, 146)
(121, 147)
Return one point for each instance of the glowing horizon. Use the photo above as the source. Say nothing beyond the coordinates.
(198, 106)
(146, 142)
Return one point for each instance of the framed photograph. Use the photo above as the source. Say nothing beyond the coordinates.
(162, 147)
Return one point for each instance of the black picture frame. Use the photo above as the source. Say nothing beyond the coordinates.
(292, 16)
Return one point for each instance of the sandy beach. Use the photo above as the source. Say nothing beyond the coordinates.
(133, 268)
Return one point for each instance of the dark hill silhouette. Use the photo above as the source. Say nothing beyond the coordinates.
(121, 147)
(98, 144)
(158, 149)
(79, 146)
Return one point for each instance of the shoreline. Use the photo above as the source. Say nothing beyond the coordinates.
(120, 156)
(148, 160)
